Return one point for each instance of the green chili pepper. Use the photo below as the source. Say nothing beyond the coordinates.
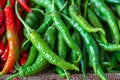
(73, 10)
(62, 52)
(107, 46)
(32, 18)
(39, 65)
(26, 45)
(83, 62)
(77, 40)
(60, 26)
(50, 36)
(91, 47)
(31, 58)
(96, 23)
(44, 49)
(102, 8)
(47, 22)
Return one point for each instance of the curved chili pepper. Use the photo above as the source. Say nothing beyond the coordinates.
(5, 54)
(91, 47)
(96, 23)
(12, 38)
(76, 15)
(102, 9)
(24, 5)
(2, 44)
(44, 49)
(46, 23)
(107, 46)
(62, 52)
(31, 56)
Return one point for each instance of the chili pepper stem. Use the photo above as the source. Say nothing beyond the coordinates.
(26, 26)
(13, 76)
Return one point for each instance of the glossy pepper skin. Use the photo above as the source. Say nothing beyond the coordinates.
(60, 25)
(102, 9)
(91, 47)
(62, 52)
(75, 14)
(44, 49)
(12, 38)
(96, 23)
(31, 57)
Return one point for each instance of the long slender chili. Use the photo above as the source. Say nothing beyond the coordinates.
(44, 49)
(102, 9)
(12, 38)
(91, 47)
(74, 13)
(96, 23)
(60, 25)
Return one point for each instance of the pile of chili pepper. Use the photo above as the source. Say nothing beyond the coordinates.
(72, 36)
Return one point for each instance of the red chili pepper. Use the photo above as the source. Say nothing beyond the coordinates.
(24, 5)
(2, 29)
(5, 54)
(2, 44)
(18, 22)
(1, 16)
(2, 3)
(22, 61)
(12, 38)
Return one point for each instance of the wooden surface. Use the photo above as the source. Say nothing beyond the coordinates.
(53, 76)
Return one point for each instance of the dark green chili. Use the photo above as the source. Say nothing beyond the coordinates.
(102, 8)
(117, 55)
(96, 23)
(47, 22)
(73, 10)
(91, 47)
